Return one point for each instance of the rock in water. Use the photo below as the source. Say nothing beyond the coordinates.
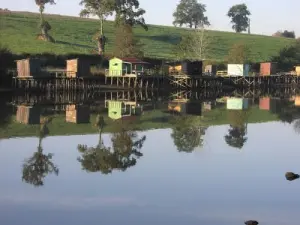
(251, 222)
(291, 176)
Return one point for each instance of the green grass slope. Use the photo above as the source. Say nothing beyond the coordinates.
(74, 35)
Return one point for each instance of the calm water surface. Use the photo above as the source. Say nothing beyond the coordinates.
(183, 176)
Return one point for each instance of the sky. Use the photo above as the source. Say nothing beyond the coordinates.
(267, 15)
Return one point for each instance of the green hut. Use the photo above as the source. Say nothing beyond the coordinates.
(120, 109)
(126, 66)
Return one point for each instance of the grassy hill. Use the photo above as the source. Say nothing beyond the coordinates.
(74, 35)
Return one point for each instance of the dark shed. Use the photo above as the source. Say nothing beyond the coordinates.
(77, 114)
(192, 68)
(194, 108)
(78, 67)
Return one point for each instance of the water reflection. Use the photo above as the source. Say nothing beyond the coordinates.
(123, 154)
(38, 166)
(146, 135)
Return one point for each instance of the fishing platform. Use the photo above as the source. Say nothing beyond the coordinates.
(132, 73)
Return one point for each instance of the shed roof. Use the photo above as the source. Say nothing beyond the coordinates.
(133, 60)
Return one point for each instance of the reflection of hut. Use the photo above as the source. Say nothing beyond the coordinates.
(121, 109)
(207, 106)
(268, 68)
(237, 103)
(28, 67)
(264, 103)
(297, 100)
(28, 114)
(186, 67)
(189, 108)
(77, 114)
(275, 105)
(297, 70)
(78, 68)
(126, 66)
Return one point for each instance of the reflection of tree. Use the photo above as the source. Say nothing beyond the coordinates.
(5, 112)
(125, 151)
(237, 132)
(188, 133)
(297, 126)
(36, 168)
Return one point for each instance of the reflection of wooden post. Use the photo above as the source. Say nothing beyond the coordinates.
(77, 114)
(28, 115)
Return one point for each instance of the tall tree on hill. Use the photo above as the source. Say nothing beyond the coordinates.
(128, 15)
(190, 13)
(239, 15)
(101, 9)
(44, 25)
(129, 12)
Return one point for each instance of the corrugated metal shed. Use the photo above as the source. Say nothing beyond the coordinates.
(268, 68)
(77, 114)
(29, 67)
(78, 68)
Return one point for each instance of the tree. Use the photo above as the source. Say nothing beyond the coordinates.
(190, 13)
(44, 25)
(239, 15)
(236, 136)
(288, 57)
(287, 34)
(129, 12)
(239, 54)
(126, 45)
(187, 133)
(37, 167)
(101, 9)
(125, 151)
(194, 46)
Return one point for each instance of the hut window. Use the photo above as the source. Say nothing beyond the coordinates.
(115, 64)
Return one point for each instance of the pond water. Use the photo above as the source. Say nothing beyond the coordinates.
(222, 164)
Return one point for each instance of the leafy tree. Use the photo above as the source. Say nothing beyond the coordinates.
(287, 34)
(236, 136)
(239, 15)
(125, 151)
(44, 25)
(190, 13)
(288, 57)
(187, 133)
(239, 54)
(129, 12)
(126, 45)
(101, 9)
(36, 168)
(194, 46)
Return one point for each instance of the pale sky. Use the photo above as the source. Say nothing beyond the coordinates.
(267, 17)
